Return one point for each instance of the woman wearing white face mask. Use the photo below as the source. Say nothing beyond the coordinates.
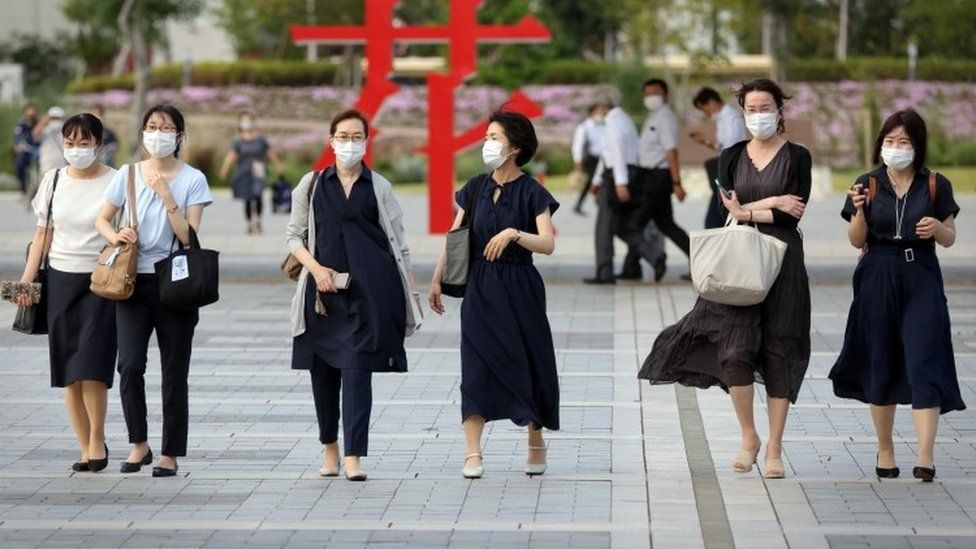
(81, 325)
(354, 302)
(898, 344)
(508, 365)
(170, 196)
(733, 347)
(249, 154)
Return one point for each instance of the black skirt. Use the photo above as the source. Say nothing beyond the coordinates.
(81, 331)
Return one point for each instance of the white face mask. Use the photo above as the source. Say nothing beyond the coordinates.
(897, 159)
(599, 118)
(762, 125)
(653, 102)
(491, 153)
(159, 144)
(79, 158)
(247, 124)
(349, 153)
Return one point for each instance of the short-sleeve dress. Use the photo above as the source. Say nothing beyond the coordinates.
(729, 346)
(508, 363)
(898, 342)
(246, 185)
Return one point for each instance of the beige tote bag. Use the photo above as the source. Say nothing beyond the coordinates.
(735, 264)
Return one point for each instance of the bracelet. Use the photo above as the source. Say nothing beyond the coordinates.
(173, 210)
(518, 235)
(750, 216)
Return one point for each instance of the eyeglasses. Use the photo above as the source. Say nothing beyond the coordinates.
(765, 109)
(346, 137)
(165, 129)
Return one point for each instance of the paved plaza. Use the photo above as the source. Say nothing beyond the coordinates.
(634, 465)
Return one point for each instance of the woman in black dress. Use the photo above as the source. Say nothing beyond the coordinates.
(508, 364)
(898, 344)
(249, 154)
(346, 222)
(733, 347)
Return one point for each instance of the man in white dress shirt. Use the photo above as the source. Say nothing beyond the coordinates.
(730, 129)
(619, 198)
(587, 148)
(660, 174)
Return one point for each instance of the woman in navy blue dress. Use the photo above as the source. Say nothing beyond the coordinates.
(508, 364)
(353, 225)
(898, 344)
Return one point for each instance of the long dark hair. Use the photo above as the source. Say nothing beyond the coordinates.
(914, 126)
(770, 87)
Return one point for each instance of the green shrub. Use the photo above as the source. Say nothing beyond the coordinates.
(881, 68)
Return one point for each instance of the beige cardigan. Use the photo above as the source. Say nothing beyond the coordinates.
(302, 223)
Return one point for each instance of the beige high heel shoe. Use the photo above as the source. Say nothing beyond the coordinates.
(535, 468)
(775, 468)
(473, 472)
(745, 459)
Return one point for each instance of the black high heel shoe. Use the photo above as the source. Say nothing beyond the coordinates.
(925, 474)
(96, 465)
(885, 472)
(129, 467)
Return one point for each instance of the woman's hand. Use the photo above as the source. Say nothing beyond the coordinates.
(498, 243)
(23, 300)
(927, 227)
(731, 203)
(858, 198)
(791, 204)
(126, 235)
(323, 280)
(160, 186)
(434, 299)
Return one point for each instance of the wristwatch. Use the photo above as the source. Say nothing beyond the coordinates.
(173, 210)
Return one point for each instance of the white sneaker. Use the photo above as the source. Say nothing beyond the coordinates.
(473, 472)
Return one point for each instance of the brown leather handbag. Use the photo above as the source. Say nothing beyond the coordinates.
(291, 266)
(114, 276)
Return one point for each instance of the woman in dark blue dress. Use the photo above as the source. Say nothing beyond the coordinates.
(344, 334)
(508, 364)
(898, 344)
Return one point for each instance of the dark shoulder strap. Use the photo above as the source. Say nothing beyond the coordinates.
(47, 221)
(315, 181)
(471, 204)
(872, 188)
(933, 189)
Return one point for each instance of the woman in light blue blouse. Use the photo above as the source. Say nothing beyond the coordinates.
(170, 198)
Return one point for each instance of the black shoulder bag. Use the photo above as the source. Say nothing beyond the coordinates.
(33, 319)
(188, 278)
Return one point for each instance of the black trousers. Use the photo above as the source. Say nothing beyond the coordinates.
(357, 404)
(136, 319)
(713, 218)
(622, 221)
(589, 168)
(657, 208)
(257, 203)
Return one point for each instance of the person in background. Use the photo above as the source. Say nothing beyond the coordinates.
(659, 172)
(25, 146)
(620, 199)
(81, 325)
(170, 197)
(110, 142)
(898, 343)
(735, 347)
(730, 129)
(47, 133)
(249, 154)
(587, 147)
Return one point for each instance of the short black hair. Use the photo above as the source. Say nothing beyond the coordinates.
(175, 115)
(519, 131)
(704, 96)
(86, 124)
(349, 114)
(655, 82)
(915, 128)
(768, 86)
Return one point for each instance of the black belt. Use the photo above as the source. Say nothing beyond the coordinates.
(908, 250)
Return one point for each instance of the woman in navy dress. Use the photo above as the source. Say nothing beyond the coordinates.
(898, 344)
(508, 364)
(346, 334)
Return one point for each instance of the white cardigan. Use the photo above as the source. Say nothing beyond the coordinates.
(302, 224)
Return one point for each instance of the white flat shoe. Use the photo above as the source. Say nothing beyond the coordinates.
(535, 468)
(329, 471)
(358, 476)
(473, 472)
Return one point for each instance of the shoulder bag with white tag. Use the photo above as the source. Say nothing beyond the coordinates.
(114, 276)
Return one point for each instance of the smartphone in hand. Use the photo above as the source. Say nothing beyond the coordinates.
(721, 189)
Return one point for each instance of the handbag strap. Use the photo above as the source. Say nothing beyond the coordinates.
(47, 223)
(471, 204)
(311, 194)
(129, 206)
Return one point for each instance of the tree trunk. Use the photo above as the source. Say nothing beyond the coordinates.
(128, 23)
(840, 51)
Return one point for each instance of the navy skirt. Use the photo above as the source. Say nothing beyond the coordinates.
(81, 331)
(898, 344)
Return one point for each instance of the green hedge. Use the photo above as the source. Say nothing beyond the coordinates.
(258, 73)
(880, 68)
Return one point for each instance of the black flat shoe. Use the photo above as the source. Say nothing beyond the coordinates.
(925, 474)
(129, 467)
(96, 465)
(79, 466)
(164, 472)
(885, 472)
(660, 268)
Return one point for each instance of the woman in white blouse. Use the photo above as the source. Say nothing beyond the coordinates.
(81, 325)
